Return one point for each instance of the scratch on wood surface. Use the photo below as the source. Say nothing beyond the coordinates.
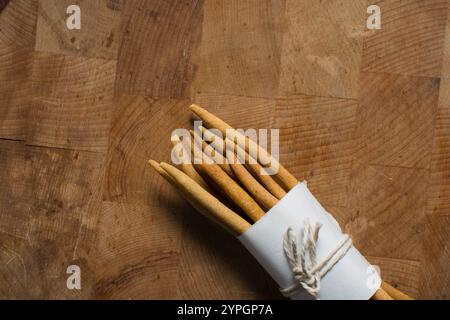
(15, 235)
(381, 173)
(77, 241)
(329, 64)
(20, 259)
(372, 167)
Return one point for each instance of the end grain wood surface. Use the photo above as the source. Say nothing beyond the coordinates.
(364, 116)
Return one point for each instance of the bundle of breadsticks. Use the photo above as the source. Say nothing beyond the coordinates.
(262, 210)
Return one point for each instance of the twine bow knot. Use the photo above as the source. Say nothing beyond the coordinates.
(307, 272)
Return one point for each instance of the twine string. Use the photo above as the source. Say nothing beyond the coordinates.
(307, 272)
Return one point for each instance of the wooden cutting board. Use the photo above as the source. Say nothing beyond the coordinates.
(364, 117)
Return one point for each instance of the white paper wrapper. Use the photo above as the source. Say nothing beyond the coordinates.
(351, 278)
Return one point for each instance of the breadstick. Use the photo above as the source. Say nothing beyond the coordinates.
(261, 195)
(188, 197)
(222, 161)
(380, 294)
(193, 202)
(394, 292)
(155, 165)
(266, 180)
(255, 168)
(287, 179)
(187, 167)
(233, 191)
(215, 190)
(206, 203)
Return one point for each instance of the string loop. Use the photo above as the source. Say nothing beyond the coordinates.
(307, 272)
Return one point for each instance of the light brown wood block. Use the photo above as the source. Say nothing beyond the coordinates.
(15, 89)
(444, 89)
(156, 53)
(238, 111)
(211, 267)
(396, 120)
(240, 48)
(141, 131)
(387, 207)
(18, 23)
(401, 274)
(439, 187)
(17, 37)
(99, 36)
(138, 252)
(72, 102)
(411, 39)
(46, 222)
(340, 214)
(322, 48)
(436, 272)
(317, 143)
(434, 283)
